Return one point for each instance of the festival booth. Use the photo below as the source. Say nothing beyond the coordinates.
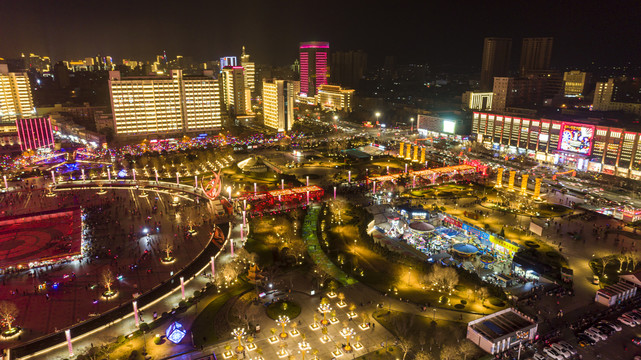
(277, 200)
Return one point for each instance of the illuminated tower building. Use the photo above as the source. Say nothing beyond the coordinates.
(313, 66)
(234, 93)
(158, 105)
(228, 61)
(16, 100)
(278, 103)
(250, 70)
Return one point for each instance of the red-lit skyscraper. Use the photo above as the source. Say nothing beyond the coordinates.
(35, 133)
(313, 66)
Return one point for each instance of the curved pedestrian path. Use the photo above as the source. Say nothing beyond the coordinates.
(310, 227)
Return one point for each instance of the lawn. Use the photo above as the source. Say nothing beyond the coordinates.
(424, 333)
(209, 322)
(399, 275)
(286, 308)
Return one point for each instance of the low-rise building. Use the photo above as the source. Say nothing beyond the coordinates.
(501, 331)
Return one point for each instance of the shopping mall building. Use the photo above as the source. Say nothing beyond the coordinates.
(586, 144)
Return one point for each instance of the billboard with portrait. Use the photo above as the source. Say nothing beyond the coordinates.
(576, 138)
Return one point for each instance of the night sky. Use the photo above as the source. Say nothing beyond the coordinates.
(437, 32)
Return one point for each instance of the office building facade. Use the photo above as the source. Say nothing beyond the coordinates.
(584, 145)
(575, 83)
(536, 54)
(147, 106)
(236, 96)
(495, 62)
(279, 103)
(517, 92)
(618, 95)
(16, 100)
(313, 66)
(347, 68)
(335, 98)
(250, 71)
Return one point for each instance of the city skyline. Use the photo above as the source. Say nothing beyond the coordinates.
(439, 34)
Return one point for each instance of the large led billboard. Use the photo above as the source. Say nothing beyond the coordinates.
(576, 138)
(449, 126)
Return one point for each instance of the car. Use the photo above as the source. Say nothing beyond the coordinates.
(636, 340)
(592, 336)
(561, 350)
(612, 325)
(633, 315)
(568, 347)
(606, 330)
(627, 321)
(586, 339)
(538, 356)
(550, 352)
(595, 332)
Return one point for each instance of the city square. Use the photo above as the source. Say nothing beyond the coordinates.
(264, 181)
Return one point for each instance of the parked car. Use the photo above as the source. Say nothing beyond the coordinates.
(606, 330)
(553, 354)
(636, 340)
(592, 336)
(627, 321)
(568, 347)
(561, 350)
(538, 356)
(585, 340)
(594, 331)
(612, 325)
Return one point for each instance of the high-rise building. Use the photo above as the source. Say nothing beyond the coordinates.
(16, 100)
(236, 97)
(278, 103)
(575, 83)
(621, 94)
(35, 133)
(347, 68)
(38, 63)
(228, 61)
(155, 105)
(517, 92)
(495, 62)
(536, 54)
(313, 66)
(335, 98)
(250, 70)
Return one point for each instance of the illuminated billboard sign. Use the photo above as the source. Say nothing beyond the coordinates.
(576, 138)
(449, 126)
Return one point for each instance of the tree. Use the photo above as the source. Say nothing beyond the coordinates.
(449, 352)
(167, 249)
(402, 329)
(484, 293)
(603, 258)
(107, 279)
(445, 277)
(467, 348)
(8, 313)
(423, 356)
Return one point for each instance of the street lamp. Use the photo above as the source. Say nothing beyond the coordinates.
(378, 115)
(411, 125)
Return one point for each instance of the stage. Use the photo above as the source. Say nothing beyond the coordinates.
(40, 238)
